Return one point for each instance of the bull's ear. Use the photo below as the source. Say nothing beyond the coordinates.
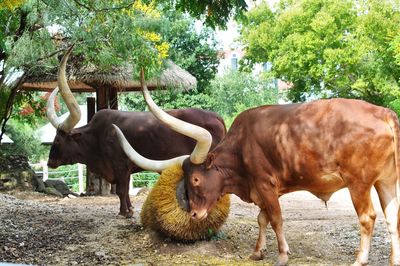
(210, 160)
(76, 135)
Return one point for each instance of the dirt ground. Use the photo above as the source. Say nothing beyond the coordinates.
(42, 230)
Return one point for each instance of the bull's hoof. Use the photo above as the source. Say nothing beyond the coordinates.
(128, 214)
(282, 260)
(257, 255)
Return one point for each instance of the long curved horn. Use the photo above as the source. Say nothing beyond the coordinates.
(51, 113)
(142, 162)
(69, 99)
(201, 135)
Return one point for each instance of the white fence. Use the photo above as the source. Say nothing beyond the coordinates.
(77, 171)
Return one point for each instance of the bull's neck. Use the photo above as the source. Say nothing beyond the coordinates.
(89, 150)
(230, 165)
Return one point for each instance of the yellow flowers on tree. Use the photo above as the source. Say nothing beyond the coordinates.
(11, 4)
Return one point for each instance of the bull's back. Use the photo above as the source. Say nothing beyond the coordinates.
(153, 139)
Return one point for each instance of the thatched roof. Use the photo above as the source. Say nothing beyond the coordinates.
(86, 78)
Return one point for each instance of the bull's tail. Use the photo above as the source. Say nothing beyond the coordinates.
(394, 124)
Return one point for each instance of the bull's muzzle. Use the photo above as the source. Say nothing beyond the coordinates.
(198, 215)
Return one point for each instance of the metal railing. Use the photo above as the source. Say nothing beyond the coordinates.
(68, 174)
(79, 173)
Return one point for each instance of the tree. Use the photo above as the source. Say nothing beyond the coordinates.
(107, 34)
(213, 12)
(196, 52)
(237, 91)
(342, 48)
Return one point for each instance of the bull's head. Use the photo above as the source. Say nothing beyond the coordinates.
(65, 138)
(200, 175)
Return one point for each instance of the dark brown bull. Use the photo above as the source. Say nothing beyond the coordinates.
(321, 147)
(96, 146)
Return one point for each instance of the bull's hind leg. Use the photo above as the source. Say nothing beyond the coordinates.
(361, 198)
(123, 194)
(263, 222)
(387, 196)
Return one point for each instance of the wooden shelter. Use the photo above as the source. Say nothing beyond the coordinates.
(106, 85)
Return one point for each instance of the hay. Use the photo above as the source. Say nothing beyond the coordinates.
(161, 211)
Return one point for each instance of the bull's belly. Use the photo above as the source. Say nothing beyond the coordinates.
(322, 186)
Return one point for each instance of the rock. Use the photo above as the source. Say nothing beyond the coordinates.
(100, 253)
(39, 184)
(59, 185)
(16, 174)
(53, 191)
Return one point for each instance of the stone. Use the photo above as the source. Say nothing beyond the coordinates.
(16, 174)
(52, 191)
(59, 185)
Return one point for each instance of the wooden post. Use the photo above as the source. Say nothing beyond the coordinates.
(102, 97)
(113, 104)
(113, 98)
(80, 177)
(91, 110)
(45, 171)
(100, 186)
(130, 185)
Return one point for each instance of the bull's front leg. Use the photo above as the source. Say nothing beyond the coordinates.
(274, 214)
(123, 194)
(261, 241)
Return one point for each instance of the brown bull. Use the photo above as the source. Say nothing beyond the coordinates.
(96, 146)
(321, 147)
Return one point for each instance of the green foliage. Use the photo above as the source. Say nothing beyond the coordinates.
(145, 179)
(343, 48)
(395, 106)
(228, 95)
(106, 33)
(194, 51)
(237, 91)
(214, 12)
(167, 99)
(25, 143)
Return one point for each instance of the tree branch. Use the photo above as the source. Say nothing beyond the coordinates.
(23, 21)
(9, 105)
(103, 9)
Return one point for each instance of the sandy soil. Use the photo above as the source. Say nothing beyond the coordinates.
(42, 230)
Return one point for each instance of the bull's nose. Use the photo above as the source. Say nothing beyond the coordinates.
(197, 215)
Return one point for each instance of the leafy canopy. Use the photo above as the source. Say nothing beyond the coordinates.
(213, 12)
(335, 48)
(106, 33)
